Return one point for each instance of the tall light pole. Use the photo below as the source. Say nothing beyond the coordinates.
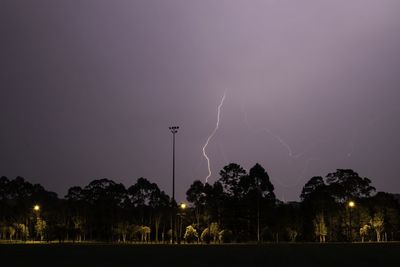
(258, 209)
(174, 130)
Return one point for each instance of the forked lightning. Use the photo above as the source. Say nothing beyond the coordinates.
(211, 136)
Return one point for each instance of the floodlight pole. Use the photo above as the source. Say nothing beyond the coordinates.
(174, 130)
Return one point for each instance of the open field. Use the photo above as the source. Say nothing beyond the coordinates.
(370, 254)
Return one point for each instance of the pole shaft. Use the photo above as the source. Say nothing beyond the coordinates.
(174, 130)
(173, 167)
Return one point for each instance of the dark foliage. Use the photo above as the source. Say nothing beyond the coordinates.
(238, 207)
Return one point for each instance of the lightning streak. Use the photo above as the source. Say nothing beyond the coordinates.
(287, 147)
(299, 179)
(211, 136)
(284, 144)
(290, 152)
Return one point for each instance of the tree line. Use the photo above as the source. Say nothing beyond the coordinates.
(240, 206)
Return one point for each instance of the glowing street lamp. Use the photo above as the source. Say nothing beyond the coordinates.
(351, 206)
(182, 207)
(36, 208)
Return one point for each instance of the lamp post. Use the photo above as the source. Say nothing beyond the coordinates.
(351, 206)
(182, 208)
(36, 211)
(174, 130)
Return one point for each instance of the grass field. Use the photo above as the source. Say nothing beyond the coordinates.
(321, 255)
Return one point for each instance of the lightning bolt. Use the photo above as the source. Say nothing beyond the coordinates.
(211, 136)
(284, 144)
(300, 177)
(290, 152)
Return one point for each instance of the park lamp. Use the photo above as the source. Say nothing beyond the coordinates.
(36, 208)
(351, 204)
(183, 206)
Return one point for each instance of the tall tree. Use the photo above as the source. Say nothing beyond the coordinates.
(320, 228)
(197, 196)
(256, 191)
(257, 183)
(106, 199)
(316, 199)
(345, 184)
(230, 178)
(314, 186)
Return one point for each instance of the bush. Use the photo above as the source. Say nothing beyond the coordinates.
(225, 236)
(191, 234)
(205, 236)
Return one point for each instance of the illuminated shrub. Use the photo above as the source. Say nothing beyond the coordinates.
(191, 234)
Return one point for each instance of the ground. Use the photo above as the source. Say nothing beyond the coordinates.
(338, 255)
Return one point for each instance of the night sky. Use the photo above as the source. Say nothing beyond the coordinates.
(89, 88)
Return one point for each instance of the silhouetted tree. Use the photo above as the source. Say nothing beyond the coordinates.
(345, 184)
(257, 197)
(237, 207)
(230, 178)
(197, 196)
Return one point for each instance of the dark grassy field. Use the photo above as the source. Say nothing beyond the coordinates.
(371, 254)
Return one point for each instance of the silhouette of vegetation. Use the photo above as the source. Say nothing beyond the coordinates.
(239, 206)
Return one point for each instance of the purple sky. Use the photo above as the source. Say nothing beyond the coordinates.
(89, 88)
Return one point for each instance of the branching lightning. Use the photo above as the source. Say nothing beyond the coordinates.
(284, 144)
(290, 152)
(300, 177)
(211, 136)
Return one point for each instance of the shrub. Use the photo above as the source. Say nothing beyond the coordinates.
(191, 234)
(205, 236)
(225, 236)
